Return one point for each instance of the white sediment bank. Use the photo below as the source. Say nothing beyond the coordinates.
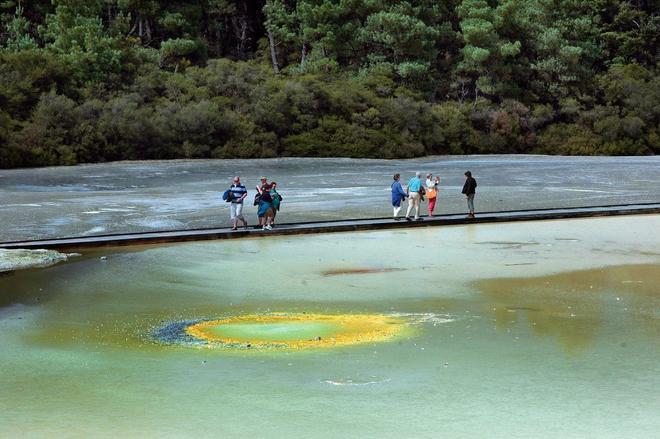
(21, 259)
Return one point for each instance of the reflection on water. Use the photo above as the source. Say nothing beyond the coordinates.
(500, 341)
(571, 306)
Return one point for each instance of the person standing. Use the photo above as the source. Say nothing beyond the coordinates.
(398, 196)
(432, 191)
(469, 189)
(238, 194)
(415, 198)
(265, 212)
(277, 199)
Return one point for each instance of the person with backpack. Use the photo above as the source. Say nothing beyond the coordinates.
(235, 195)
(265, 212)
(263, 182)
(469, 189)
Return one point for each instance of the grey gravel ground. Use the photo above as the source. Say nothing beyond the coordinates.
(183, 194)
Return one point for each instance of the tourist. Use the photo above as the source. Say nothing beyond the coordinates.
(263, 182)
(265, 212)
(432, 191)
(237, 193)
(469, 189)
(398, 195)
(277, 199)
(414, 196)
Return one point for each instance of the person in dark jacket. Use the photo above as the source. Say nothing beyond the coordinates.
(398, 195)
(277, 199)
(265, 212)
(469, 189)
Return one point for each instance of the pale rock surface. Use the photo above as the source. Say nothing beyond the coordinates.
(20, 259)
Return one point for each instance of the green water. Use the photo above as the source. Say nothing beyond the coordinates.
(540, 329)
(274, 331)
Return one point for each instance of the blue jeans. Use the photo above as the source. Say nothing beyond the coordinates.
(470, 203)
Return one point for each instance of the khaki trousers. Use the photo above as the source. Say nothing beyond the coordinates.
(414, 200)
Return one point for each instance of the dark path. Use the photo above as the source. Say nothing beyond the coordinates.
(332, 226)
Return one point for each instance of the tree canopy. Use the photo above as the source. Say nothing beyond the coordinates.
(99, 80)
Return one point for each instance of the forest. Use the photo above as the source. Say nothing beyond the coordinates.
(100, 80)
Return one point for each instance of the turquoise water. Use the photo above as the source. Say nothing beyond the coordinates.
(274, 331)
(541, 329)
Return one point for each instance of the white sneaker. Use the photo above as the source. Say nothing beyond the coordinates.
(269, 227)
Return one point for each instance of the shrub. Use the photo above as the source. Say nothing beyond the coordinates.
(47, 138)
(568, 139)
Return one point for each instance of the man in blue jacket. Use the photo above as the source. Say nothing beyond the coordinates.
(398, 195)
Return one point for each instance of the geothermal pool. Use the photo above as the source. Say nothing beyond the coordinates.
(536, 329)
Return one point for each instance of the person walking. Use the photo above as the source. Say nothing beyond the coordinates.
(414, 196)
(263, 182)
(265, 212)
(398, 196)
(432, 191)
(469, 189)
(277, 199)
(238, 193)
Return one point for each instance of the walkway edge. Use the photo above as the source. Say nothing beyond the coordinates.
(330, 227)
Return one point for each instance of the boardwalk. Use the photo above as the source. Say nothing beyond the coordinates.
(331, 226)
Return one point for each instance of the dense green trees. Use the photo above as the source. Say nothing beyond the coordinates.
(84, 81)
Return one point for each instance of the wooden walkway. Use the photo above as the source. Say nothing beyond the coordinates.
(330, 227)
